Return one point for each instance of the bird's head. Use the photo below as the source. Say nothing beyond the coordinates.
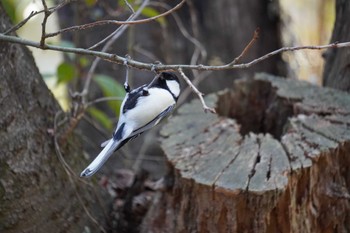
(170, 82)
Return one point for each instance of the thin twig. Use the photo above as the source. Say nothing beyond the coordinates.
(70, 173)
(119, 31)
(116, 35)
(77, 113)
(198, 79)
(103, 99)
(198, 93)
(162, 67)
(199, 49)
(96, 126)
(32, 14)
(182, 29)
(80, 106)
(129, 6)
(151, 56)
(249, 45)
(104, 22)
(47, 13)
(56, 136)
(20, 24)
(66, 167)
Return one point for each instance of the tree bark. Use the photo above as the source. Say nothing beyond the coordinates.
(35, 192)
(280, 165)
(337, 66)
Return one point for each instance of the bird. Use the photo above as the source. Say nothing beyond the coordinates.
(141, 109)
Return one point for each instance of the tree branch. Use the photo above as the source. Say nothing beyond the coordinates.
(198, 93)
(115, 35)
(249, 45)
(162, 67)
(47, 13)
(104, 22)
(34, 13)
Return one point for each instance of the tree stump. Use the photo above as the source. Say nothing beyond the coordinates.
(275, 159)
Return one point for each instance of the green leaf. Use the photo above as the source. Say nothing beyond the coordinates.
(151, 12)
(84, 62)
(101, 117)
(122, 3)
(90, 3)
(110, 88)
(65, 72)
(10, 8)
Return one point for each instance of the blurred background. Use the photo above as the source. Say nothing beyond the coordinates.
(201, 32)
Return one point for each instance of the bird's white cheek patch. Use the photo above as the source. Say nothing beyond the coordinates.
(174, 87)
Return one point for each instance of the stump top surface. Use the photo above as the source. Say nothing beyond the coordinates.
(266, 128)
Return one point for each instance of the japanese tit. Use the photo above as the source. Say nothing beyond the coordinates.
(141, 109)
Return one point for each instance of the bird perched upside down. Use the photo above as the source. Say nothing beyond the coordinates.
(142, 108)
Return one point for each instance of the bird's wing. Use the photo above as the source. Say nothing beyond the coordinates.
(131, 99)
(153, 122)
(149, 125)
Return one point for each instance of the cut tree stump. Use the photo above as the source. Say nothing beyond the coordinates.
(275, 159)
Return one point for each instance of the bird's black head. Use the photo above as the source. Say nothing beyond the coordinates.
(169, 76)
(170, 82)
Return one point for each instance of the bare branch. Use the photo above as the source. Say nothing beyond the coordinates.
(73, 178)
(129, 6)
(20, 24)
(116, 34)
(47, 13)
(103, 99)
(96, 126)
(198, 93)
(151, 56)
(183, 30)
(34, 13)
(249, 45)
(104, 22)
(198, 78)
(162, 67)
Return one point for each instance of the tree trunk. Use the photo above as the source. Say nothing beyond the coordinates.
(35, 192)
(337, 67)
(281, 165)
(225, 28)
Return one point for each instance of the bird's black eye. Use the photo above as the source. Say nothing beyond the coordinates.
(145, 92)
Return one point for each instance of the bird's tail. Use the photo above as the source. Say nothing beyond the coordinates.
(101, 158)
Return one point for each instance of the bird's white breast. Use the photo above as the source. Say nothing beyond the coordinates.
(149, 107)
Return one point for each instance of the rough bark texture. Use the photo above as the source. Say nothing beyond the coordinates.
(337, 66)
(281, 165)
(35, 192)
